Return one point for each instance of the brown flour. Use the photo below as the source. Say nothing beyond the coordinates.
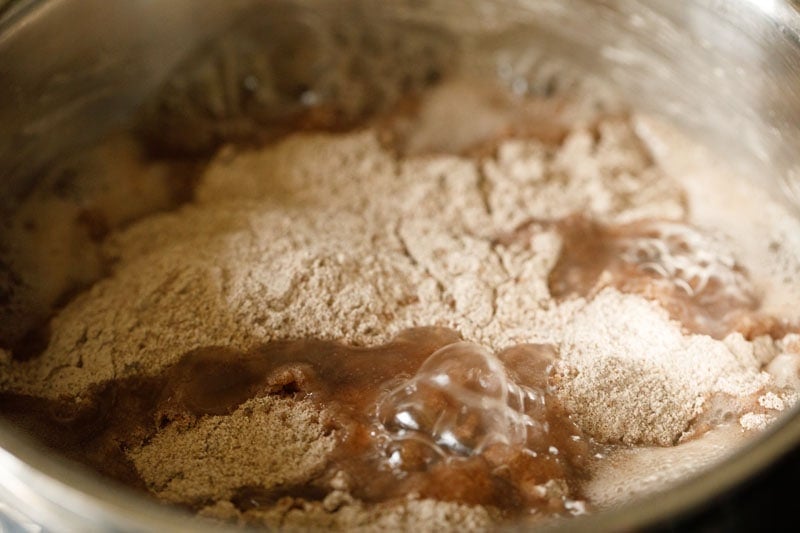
(284, 242)
(267, 441)
(331, 236)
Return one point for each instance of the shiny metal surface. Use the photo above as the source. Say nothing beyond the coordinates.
(70, 70)
(726, 71)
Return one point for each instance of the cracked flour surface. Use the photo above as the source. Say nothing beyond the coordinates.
(331, 236)
(334, 237)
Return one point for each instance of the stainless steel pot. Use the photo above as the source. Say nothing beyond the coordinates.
(727, 71)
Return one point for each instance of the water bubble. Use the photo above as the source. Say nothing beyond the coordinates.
(687, 259)
(461, 401)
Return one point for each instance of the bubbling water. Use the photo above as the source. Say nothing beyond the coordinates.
(689, 272)
(689, 260)
(460, 402)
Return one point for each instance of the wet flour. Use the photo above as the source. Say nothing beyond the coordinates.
(654, 331)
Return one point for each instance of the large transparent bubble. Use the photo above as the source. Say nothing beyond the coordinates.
(461, 401)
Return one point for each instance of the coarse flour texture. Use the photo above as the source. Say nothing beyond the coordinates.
(336, 237)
